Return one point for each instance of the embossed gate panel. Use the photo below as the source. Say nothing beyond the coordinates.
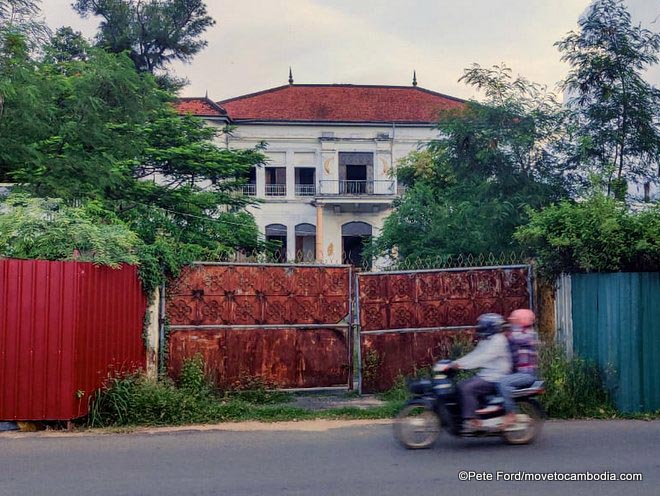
(289, 324)
(410, 319)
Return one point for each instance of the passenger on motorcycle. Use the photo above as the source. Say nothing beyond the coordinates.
(523, 343)
(493, 357)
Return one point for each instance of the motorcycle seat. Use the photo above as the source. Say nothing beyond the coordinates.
(536, 388)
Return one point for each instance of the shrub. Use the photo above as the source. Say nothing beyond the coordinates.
(574, 387)
(49, 229)
(137, 400)
(597, 235)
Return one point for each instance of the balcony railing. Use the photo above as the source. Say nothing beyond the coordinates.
(305, 189)
(356, 188)
(275, 189)
(250, 189)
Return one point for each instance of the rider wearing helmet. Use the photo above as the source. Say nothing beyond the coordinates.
(493, 357)
(523, 343)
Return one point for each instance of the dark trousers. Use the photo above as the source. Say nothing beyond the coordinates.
(471, 390)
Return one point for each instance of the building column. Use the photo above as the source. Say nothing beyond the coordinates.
(319, 233)
(290, 243)
(261, 181)
(290, 176)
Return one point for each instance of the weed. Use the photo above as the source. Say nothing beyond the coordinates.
(257, 390)
(398, 392)
(193, 378)
(370, 367)
(462, 344)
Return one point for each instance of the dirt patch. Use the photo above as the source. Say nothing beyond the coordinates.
(303, 425)
(317, 403)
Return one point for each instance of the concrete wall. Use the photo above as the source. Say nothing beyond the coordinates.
(318, 146)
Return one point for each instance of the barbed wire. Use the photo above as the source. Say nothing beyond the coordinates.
(417, 263)
(459, 261)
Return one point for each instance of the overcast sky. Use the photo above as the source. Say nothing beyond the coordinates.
(374, 41)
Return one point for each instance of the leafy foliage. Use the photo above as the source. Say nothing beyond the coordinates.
(470, 188)
(152, 32)
(48, 229)
(615, 111)
(596, 235)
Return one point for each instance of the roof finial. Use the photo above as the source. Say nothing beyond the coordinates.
(290, 76)
(207, 94)
(414, 78)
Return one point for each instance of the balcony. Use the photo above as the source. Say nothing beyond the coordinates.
(275, 189)
(250, 189)
(357, 188)
(305, 189)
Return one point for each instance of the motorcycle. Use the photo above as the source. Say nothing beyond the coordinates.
(435, 403)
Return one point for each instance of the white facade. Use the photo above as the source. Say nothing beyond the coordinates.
(330, 203)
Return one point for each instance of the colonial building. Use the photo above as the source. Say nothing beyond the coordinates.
(328, 183)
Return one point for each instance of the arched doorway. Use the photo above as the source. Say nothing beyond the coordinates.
(276, 233)
(354, 235)
(305, 242)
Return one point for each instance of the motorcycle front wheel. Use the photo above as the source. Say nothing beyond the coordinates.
(416, 427)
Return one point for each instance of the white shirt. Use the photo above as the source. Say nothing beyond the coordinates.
(492, 356)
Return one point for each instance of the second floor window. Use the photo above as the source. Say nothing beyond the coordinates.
(250, 188)
(305, 181)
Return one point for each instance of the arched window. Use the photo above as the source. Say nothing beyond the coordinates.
(276, 234)
(356, 229)
(305, 229)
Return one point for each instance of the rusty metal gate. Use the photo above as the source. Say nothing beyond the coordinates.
(288, 324)
(410, 319)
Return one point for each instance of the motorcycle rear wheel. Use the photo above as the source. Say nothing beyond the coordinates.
(528, 424)
(417, 427)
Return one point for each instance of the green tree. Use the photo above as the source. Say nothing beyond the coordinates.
(22, 17)
(616, 130)
(92, 128)
(66, 45)
(470, 188)
(153, 32)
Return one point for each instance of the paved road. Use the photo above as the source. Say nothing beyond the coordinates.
(358, 459)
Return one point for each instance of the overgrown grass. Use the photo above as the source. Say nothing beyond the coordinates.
(575, 388)
(135, 400)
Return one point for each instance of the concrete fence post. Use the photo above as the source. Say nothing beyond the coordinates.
(153, 333)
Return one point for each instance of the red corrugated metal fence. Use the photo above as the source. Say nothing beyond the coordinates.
(64, 326)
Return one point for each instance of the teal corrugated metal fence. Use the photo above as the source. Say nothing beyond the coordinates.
(616, 322)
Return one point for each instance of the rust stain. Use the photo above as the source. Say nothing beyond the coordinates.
(289, 358)
(262, 295)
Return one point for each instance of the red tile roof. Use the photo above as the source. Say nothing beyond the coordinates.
(201, 107)
(341, 103)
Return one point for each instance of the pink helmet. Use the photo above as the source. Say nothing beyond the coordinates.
(522, 317)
